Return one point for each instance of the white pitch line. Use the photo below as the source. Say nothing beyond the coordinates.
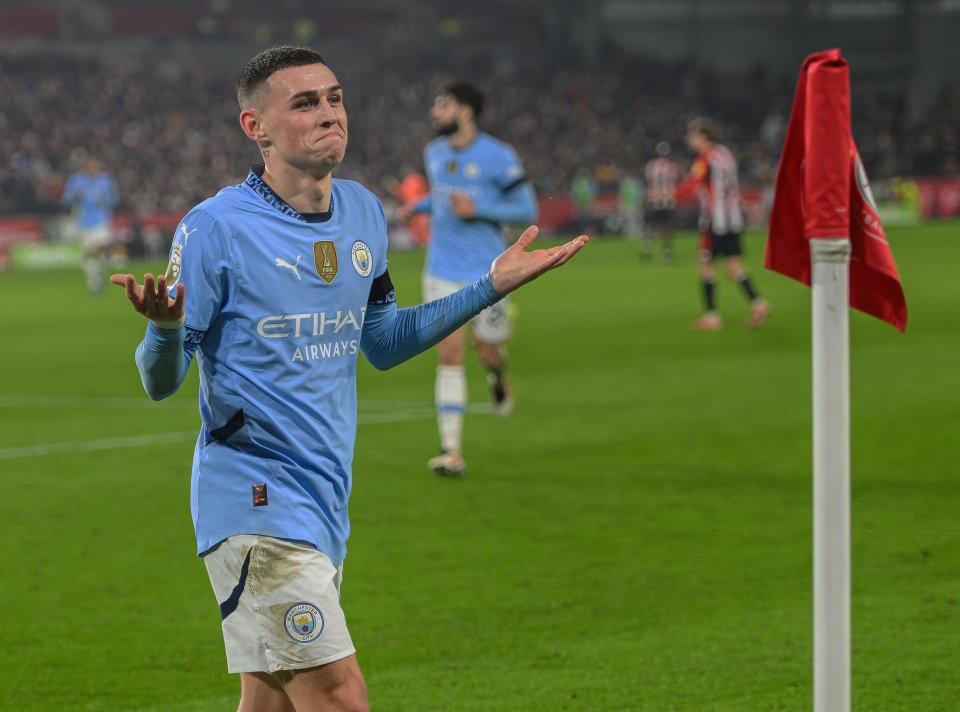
(93, 445)
(11, 453)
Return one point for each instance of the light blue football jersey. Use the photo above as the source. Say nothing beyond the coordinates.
(275, 302)
(93, 196)
(485, 170)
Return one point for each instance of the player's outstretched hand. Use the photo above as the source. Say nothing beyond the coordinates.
(152, 299)
(515, 266)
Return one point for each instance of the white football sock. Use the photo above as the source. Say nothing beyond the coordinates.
(451, 399)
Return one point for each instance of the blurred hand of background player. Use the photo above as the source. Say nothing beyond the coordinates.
(515, 266)
(462, 206)
(151, 299)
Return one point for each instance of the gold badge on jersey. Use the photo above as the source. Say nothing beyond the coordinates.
(325, 258)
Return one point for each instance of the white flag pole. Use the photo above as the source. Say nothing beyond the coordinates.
(830, 262)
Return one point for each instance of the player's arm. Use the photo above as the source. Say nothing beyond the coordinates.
(69, 192)
(163, 357)
(697, 178)
(392, 335)
(518, 204)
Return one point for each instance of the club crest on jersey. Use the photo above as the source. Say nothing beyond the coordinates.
(303, 622)
(472, 170)
(362, 259)
(325, 258)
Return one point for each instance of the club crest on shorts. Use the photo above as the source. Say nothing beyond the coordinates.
(362, 259)
(303, 622)
(325, 258)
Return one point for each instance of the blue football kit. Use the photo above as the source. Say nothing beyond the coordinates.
(93, 196)
(489, 172)
(278, 306)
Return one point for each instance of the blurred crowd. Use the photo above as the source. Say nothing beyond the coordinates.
(169, 134)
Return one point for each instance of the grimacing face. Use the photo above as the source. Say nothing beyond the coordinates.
(302, 118)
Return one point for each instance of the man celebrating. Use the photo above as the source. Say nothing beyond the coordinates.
(714, 175)
(477, 185)
(279, 282)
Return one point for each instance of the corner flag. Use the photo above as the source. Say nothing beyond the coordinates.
(822, 192)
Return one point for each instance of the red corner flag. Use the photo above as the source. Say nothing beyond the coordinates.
(822, 192)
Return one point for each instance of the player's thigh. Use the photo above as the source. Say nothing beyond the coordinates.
(450, 351)
(262, 692)
(336, 687)
(492, 325)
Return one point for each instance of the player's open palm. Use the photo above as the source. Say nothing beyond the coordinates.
(152, 299)
(515, 266)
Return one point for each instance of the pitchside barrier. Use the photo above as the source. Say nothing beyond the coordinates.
(901, 201)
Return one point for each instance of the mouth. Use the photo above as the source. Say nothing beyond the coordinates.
(332, 135)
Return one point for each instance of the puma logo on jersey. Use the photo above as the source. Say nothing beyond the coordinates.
(293, 267)
(186, 233)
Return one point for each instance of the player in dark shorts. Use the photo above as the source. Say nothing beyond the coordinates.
(714, 177)
(661, 175)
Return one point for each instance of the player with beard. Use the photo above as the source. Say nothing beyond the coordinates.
(477, 186)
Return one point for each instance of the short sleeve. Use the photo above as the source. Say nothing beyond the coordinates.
(200, 260)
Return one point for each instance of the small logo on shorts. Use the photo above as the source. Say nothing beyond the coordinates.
(303, 622)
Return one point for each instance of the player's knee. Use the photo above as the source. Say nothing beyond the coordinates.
(350, 695)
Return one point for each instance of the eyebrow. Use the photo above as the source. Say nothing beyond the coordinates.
(311, 93)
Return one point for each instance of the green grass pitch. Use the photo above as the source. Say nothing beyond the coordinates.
(637, 536)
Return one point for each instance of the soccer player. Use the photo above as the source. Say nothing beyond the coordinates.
(714, 175)
(274, 286)
(92, 194)
(662, 175)
(477, 185)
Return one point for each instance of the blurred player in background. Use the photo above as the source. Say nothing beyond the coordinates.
(279, 282)
(630, 205)
(410, 189)
(477, 185)
(662, 175)
(91, 194)
(714, 176)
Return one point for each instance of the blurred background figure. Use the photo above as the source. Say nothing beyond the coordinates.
(661, 174)
(714, 177)
(630, 205)
(583, 191)
(478, 186)
(411, 188)
(91, 194)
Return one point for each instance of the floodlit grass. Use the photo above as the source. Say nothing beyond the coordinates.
(637, 536)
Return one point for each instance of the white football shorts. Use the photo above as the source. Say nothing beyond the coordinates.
(279, 603)
(94, 238)
(492, 325)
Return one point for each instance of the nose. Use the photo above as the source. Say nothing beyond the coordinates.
(325, 114)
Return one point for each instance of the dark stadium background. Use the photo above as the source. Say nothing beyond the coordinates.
(580, 87)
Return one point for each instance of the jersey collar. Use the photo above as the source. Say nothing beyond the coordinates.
(255, 181)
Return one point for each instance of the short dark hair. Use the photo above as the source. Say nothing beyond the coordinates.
(466, 93)
(268, 62)
(708, 128)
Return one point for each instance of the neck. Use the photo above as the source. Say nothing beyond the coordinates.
(464, 135)
(304, 192)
